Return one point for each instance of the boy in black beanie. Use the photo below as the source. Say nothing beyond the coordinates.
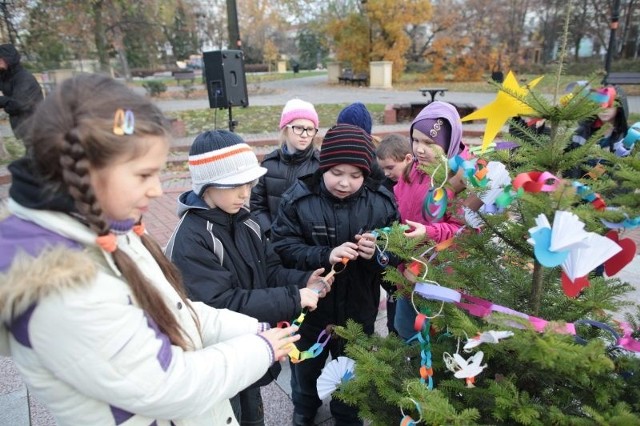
(325, 218)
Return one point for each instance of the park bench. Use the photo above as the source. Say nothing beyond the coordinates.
(184, 75)
(348, 77)
(360, 79)
(620, 78)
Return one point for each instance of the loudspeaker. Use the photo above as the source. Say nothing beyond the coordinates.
(225, 79)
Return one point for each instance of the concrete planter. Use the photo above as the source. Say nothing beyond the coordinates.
(380, 74)
(334, 72)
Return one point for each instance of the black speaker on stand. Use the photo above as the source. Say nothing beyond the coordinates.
(225, 79)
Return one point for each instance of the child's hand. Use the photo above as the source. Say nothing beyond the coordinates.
(320, 284)
(366, 245)
(309, 298)
(280, 340)
(348, 250)
(419, 230)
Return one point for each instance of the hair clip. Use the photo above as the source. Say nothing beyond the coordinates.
(123, 122)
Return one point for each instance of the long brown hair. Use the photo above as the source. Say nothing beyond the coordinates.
(73, 132)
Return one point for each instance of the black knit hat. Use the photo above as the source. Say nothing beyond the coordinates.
(346, 144)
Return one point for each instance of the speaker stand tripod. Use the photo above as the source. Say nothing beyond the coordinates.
(232, 123)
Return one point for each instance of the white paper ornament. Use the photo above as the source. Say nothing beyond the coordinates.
(333, 374)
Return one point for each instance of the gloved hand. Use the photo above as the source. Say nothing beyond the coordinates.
(3, 101)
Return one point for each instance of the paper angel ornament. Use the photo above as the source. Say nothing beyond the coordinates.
(338, 371)
(468, 369)
(569, 245)
(491, 336)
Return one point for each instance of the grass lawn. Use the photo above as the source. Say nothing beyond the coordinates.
(258, 119)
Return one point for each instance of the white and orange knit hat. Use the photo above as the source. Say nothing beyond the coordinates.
(221, 159)
(297, 108)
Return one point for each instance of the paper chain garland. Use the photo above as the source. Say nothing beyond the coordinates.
(483, 308)
(422, 325)
(295, 354)
(546, 182)
(474, 171)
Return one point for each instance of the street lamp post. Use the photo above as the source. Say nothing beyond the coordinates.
(615, 17)
(232, 24)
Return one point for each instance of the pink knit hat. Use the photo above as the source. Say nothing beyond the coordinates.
(297, 108)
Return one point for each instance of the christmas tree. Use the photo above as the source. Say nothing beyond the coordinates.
(512, 330)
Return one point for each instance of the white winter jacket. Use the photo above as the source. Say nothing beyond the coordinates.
(85, 348)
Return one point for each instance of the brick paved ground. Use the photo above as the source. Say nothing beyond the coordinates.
(162, 217)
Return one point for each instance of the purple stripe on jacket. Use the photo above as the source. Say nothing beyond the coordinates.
(18, 235)
(164, 354)
(21, 235)
(119, 415)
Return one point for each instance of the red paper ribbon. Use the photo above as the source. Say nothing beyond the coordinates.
(536, 182)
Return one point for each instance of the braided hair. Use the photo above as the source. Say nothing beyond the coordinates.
(73, 133)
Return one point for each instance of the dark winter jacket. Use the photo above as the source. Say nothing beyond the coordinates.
(226, 262)
(310, 223)
(21, 92)
(283, 169)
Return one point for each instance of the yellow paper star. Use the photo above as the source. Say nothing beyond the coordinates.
(502, 108)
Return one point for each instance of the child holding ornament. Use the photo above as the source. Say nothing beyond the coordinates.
(93, 314)
(325, 220)
(436, 136)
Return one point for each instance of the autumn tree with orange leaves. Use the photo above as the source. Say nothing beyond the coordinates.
(376, 32)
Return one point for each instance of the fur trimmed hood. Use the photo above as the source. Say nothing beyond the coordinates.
(43, 253)
(30, 279)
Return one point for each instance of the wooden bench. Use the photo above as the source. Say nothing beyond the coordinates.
(621, 78)
(348, 77)
(360, 79)
(432, 91)
(345, 77)
(184, 75)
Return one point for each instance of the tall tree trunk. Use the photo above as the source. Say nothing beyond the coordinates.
(232, 25)
(537, 288)
(118, 43)
(99, 35)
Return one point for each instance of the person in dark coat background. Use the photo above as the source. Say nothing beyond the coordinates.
(20, 90)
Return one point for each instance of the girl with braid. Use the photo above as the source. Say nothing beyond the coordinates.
(91, 311)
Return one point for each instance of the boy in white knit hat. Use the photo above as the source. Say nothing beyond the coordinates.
(222, 252)
(296, 157)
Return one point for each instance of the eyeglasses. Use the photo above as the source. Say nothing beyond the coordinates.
(299, 130)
